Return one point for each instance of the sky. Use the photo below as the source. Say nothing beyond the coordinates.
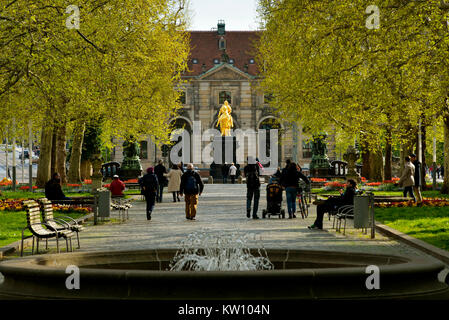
(237, 14)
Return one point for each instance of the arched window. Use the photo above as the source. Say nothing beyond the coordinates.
(222, 44)
(224, 96)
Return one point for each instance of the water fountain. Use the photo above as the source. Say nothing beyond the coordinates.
(218, 252)
(235, 272)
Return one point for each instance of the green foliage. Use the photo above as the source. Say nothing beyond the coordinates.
(327, 70)
(121, 65)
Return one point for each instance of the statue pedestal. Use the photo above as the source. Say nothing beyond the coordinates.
(97, 177)
(225, 149)
(130, 169)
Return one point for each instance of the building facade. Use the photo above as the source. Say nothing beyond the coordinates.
(222, 66)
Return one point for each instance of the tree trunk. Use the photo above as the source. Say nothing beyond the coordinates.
(44, 167)
(53, 165)
(61, 152)
(376, 165)
(445, 188)
(366, 154)
(75, 158)
(86, 169)
(388, 157)
(423, 152)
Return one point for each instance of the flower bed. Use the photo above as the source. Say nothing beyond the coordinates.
(318, 179)
(334, 185)
(17, 205)
(27, 188)
(426, 203)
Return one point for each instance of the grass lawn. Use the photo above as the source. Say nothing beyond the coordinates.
(12, 223)
(429, 224)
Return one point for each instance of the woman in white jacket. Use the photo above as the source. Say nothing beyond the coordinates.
(174, 181)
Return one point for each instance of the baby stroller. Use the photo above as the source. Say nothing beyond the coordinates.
(274, 200)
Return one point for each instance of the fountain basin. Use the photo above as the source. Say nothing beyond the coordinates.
(298, 274)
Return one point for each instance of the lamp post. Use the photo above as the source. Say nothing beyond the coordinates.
(14, 177)
(434, 160)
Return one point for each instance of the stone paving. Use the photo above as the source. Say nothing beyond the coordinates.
(221, 208)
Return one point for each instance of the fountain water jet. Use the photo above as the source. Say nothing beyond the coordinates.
(218, 252)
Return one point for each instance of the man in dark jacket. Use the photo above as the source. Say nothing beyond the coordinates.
(225, 172)
(53, 189)
(150, 185)
(347, 198)
(252, 174)
(417, 186)
(160, 170)
(191, 186)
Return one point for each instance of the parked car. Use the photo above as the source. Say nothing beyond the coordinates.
(26, 155)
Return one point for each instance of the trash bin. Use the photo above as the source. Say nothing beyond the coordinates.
(104, 203)
(362, 211)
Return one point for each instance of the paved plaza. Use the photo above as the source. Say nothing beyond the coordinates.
(221, 208)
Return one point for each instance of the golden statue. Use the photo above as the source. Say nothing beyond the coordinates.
(225, 119)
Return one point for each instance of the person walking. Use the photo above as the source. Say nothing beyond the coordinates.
(117, 186)
(233, 172)
(332, 203)
(191, 186)
(160, 170)
(225, 172)
(289, 180)
(150, 186)
(407, 179)
(417, 177)
(174, 181)
(252, 174)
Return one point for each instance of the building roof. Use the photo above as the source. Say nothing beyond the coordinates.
(240, 46)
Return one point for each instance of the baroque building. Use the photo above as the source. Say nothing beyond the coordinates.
(222, 66)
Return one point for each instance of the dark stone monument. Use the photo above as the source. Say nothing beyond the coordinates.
(131, 167)
(319, 167)
(225, 148)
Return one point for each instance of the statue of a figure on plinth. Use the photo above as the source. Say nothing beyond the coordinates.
(320, 162)
(351, 156)
(131, 167)
(225, 119)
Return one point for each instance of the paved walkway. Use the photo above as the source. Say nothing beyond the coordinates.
(222, 209)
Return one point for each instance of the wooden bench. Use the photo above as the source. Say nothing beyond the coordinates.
(38, 231)
(59, 223)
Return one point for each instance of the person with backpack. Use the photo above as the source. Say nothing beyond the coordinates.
(149, 185)
(160, 170)
(191, 187)
(252, 174)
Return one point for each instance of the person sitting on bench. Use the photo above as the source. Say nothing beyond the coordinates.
(346, 198)
(53, 189)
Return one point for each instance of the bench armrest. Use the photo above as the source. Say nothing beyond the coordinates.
(60, 222)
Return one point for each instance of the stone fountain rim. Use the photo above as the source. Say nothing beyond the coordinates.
(33, 264)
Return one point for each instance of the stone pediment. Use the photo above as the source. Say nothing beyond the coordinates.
(223, 72)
